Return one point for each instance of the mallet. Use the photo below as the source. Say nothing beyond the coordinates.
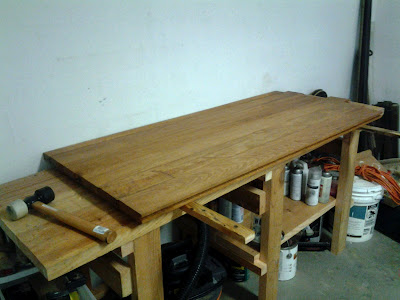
(39, 200)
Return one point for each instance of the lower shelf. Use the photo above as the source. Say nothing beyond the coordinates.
(296, 216)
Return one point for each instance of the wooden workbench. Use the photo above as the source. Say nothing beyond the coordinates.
(151, 172)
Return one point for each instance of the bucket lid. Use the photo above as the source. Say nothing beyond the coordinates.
(361, 186)
(366, 200)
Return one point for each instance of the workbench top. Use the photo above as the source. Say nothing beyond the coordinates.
(154, 169)
(55, 248)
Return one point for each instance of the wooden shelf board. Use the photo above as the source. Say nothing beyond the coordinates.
(297, 215)
(256, 266)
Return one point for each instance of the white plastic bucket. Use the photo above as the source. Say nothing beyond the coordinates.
(287, 263)
(366, 196)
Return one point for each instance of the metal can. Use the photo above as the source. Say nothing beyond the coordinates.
(312, 195)
(286, 181)
(287, 262)
(257, 228)
(225, 207)
(314, 181)
(238, 272)
(237, 213)
(325, 187)
(296, 177)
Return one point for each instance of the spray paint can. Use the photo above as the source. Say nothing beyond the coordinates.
(257, 228)
(225, 207)
(313, 185)
(304, 167)
(286, 181)
(237, 213)
(325, 187)
(296, 176)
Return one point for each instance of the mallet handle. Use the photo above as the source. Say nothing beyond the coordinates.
(102, 233)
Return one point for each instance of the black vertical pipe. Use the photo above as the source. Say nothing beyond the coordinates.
(365, 53)
(366, 139)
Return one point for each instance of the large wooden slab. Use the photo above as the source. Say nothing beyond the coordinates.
(154, 169)
(55, 248)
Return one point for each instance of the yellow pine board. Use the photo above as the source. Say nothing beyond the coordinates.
(297, 215)
(154, 169)
(219, 222)
(55, 248)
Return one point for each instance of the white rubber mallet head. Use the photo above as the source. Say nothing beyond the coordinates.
(19, 208)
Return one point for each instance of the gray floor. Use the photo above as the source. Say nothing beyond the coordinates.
(368, 270)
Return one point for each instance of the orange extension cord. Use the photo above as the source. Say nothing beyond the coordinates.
(368, 173)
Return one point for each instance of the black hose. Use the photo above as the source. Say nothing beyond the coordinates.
(198, 262)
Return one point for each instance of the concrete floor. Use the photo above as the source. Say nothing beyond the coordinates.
(368, 270)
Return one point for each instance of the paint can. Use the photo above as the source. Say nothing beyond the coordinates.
(335, 182)
(304, 167)
(313, 231)
(257, 228)
(286, 181)
(238, 272)
(366, 196)
(325, 187)
(296, 176)
(313, 184)
(225, 207)
(288, 261)
(237, 213)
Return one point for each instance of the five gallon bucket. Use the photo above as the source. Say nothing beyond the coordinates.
(366, 196)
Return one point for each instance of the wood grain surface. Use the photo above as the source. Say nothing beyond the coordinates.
(154, 169)
(56, 248)
(220, 222)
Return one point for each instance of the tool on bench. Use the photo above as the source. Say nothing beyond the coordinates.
(39, 200)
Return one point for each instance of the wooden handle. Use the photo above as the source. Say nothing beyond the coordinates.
(99, 232)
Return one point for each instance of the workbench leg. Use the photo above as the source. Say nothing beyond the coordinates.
(271, 229)
(344, 192)
(146, 268)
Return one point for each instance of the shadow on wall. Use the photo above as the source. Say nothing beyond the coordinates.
(44, 164)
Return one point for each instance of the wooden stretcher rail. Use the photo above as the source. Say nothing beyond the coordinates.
(241, 253)
(219, 222)
(249, 197)
(382, 131)
(115, 272)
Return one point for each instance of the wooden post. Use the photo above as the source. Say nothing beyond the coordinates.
(345, 186)
(271, 229)
(146, 268)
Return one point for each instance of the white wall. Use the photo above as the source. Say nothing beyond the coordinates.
(385, 43)
(77, 70)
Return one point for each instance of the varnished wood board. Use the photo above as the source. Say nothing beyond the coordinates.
(115, 272)
(154, 169)
(219, 222)
(297, 215)
(55, 248)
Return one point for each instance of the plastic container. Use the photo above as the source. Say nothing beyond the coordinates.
(366, 196)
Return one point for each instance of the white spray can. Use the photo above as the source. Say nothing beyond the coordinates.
(296, 176)
(313, 185)
(286, 181)
(325, 187)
